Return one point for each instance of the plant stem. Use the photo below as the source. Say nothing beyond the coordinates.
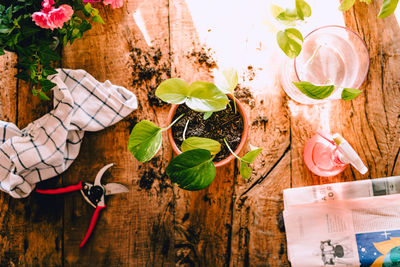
(177, 119)
(230, 150)
(310, 60)
(184, 130)
(234, 103)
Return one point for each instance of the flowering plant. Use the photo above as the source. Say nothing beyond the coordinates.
(36, 32)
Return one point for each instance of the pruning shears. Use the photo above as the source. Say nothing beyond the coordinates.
(93, 194)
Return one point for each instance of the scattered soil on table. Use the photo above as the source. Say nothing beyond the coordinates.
(260, 120)
(203, 57)
(250, 73)
(149, 71)
(221, 124)
(244, 95)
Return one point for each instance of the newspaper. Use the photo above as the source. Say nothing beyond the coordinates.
(344, 224)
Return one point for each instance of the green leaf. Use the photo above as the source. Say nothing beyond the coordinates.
(350, 93)
(199, 142)
(192, 170)
(205, 96)
(23, 76)
(47, 53)
(251, 156)
(207, 115)
(288, 17)
(43, 96)
(388, 7)
(5, 29)
(173, 91)
(46, 84)
(98, 19)
(315, 91)
(145, 140)
(2, 52)
(245, 170)
(276, 10)
(346, 5)
(290, 41)
(303, 9)
(49, 71)
(366, 1)
(87, 10)
(231, 78)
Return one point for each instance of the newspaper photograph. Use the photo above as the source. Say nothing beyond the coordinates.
(344, 230)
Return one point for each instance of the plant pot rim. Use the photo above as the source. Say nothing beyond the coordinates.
(225, 161)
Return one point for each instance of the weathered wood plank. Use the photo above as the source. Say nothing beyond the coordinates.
(136, 229)
(32, 227)
(203, 219)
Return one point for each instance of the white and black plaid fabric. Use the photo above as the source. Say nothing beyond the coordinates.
(49, 145)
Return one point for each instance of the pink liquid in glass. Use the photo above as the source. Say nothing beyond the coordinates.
(321, 156)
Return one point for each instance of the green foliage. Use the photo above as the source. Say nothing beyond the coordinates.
(192, 170)
(346, 5)
(350, 93)
(145, 139)
(199, 96)
(315, 91)
(290, 41)
(201, 143)
(38, 48)
(246, 160)
(227, 80)
(388, 6)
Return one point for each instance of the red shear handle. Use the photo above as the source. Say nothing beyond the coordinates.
(63, 190)
(92, 224)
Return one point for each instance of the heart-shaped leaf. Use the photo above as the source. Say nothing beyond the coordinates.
(346, 5)
(251, 155)
(303, 9)
(388, 7)
(290, 41)
(199, 142)
(192, 170)
(205, 96)
(315, 91)
(173, 91)
(145, 140)
(350, 93)
(226, 80)
(288, 17)
(276, 10)
(245, 170)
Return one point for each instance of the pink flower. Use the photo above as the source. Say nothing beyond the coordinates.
(114, 3)
(50, 17)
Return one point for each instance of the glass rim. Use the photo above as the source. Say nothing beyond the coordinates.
(348, 30)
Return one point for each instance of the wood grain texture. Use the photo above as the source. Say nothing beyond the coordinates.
(136, 229)
(234, 222)
(31, 228)
(203, 219)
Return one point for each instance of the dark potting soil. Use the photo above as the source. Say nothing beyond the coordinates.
(222, 124)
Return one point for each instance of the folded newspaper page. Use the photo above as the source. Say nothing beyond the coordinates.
(344, 224)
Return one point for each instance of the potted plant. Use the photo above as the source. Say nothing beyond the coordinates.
(198, 121)
(36, 30)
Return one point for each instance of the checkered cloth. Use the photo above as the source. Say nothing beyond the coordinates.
(49, 145)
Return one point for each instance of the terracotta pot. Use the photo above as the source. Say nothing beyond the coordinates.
(242, 143)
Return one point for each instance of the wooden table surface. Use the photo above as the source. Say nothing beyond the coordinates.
(233, 222)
